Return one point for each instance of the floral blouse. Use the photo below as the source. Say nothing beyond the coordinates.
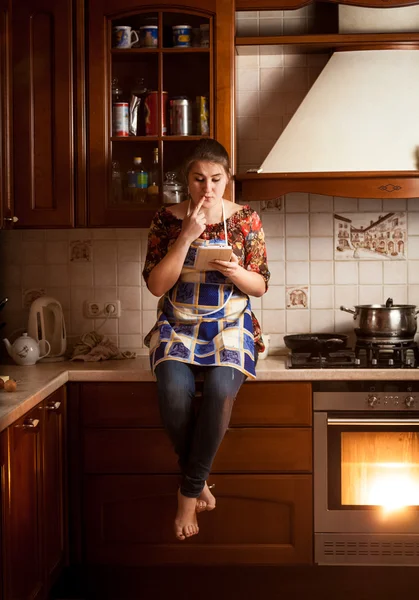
(245, 236)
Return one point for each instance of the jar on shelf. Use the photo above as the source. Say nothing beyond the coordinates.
(173, 191)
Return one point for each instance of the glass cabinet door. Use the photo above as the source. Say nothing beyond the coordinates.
(154, 80)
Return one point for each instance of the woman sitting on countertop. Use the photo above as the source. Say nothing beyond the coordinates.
(204, 319)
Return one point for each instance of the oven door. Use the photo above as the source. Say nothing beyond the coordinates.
(366, 472)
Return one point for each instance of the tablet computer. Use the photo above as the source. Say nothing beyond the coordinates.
(204, 255)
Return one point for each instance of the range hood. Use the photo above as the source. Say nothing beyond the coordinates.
(356, 133)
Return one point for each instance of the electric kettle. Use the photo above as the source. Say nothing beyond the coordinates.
(46, 325)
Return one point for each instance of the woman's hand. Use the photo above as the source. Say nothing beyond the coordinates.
(229, 268)
(194, 224)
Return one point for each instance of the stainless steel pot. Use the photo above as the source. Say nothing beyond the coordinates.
(384, 320)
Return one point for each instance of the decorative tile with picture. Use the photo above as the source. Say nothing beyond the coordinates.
(297, 296)
(274, 205)
(81, 251)
(370, 236)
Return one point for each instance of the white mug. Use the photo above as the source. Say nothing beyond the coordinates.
(124, 36)
(264, 354)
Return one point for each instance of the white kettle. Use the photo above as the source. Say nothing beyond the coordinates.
(46, 325)
(24, 350)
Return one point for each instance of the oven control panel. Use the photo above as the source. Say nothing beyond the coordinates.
(396, 401)
(367, 400)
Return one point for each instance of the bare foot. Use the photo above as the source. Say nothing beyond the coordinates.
(206, 500)
(186, 524)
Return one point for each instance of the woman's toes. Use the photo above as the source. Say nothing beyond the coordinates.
(201, 505)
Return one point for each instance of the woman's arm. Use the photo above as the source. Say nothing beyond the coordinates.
(166, 273)
(249, 282)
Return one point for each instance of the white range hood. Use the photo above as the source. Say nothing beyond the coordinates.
(362, 113)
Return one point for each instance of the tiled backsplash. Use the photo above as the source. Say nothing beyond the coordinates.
(306, 289)
(307, 284)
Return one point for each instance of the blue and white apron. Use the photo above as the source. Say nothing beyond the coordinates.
(204, 320)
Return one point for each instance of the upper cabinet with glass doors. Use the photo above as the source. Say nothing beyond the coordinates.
(160, 78)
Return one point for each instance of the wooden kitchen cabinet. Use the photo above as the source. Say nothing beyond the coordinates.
(128, 474)
(294, 4)
(43, 145)
(192, 71)
(6, 206)
(33, 500)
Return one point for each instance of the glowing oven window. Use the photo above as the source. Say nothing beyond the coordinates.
(380, 469)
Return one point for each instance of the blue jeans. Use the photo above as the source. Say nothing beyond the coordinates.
(196, 437)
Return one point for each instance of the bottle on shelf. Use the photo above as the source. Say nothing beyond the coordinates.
(153, 177)
(137, 181)
(119, 111)
(136, 108)
(116, 183)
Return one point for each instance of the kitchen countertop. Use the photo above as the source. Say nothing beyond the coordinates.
(36, 382)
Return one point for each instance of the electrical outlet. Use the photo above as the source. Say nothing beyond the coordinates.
(98, 310)
(112, 310)
(92, 309)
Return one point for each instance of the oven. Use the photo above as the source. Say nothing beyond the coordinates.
(366, 472)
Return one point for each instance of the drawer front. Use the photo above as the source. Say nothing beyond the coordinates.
(242, 451)
(125, 404)
(272, 403)
(259, 519)
(135, 404)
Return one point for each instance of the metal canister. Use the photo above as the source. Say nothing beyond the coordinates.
(120, 119)
(180, 116)
(151, 109)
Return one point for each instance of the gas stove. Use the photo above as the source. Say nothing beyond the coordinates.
(367, 354)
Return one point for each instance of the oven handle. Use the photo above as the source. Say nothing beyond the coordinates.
(363, 422)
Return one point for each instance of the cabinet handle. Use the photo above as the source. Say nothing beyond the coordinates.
(11, 219)
(30, 424)
(53, 406)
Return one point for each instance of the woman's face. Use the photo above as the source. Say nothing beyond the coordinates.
(207, 180)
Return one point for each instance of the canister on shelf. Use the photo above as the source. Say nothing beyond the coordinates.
(173, 191)
(202, 115)
(151, 109)
(120, 119)
(205, 41)
(180, 116)
(181, 36)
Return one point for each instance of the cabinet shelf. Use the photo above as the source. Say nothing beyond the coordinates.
(324, 42)
(153, 138)
(132, 53)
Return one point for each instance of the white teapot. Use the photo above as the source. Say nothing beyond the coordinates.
(25, 350)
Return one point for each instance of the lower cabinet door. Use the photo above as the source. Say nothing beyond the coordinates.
(259, 519)
(25, 568)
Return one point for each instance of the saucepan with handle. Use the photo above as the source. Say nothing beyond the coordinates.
(384, 320)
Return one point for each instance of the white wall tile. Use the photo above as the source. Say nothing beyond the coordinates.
(273, 224)
(298, 321)
(272, 79)
(321, 248)
(297, 273)
(370, 294)
(296, 225)
(321, 224)
(321, 296)
(413, 271)
(322, 321)
(343, 205)
(247, 80)
(413, 204)
(395, 271)
(275, 248)
(277, 270)
(321, 272)
(395, 204)
(370, 205)
(297, 203)
(370, 272)
(346, 273)
(320, 203)
(274, 299)
(413, 223)
(297, 248)
(346, 295)
(273, 321)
